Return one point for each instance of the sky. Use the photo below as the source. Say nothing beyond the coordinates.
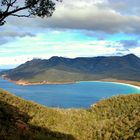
(78, 28)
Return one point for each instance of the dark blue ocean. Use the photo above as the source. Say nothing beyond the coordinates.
(78, 95)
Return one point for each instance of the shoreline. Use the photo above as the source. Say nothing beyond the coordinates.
(134, 84)
(120, 83)
(26, 83)
(138, 87)
(127, 83)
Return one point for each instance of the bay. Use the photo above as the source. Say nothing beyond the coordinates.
(77, 95)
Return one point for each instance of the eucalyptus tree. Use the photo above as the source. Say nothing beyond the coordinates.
(26, 8)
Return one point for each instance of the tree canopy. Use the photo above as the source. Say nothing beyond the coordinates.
(40, 8)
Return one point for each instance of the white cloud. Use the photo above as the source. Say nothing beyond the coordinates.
(136, 51)
(30, 48)
(96, 15)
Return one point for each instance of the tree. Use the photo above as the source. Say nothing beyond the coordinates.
(40, 8)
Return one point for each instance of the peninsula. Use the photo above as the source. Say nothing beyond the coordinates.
(60, 70)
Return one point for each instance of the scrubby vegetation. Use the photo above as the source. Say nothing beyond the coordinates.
(117, 118)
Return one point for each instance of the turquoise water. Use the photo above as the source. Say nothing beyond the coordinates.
(78, 95)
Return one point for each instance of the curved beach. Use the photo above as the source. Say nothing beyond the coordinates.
(137, 87)
(127, 83)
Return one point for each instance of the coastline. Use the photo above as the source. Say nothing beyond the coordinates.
(26, 83)
(137, 87)
(134, 84)
(40, 83)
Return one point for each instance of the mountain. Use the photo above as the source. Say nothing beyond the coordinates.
(116, 118)
(60, 69)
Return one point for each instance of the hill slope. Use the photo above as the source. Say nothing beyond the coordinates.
(111, 119)
(59, 69)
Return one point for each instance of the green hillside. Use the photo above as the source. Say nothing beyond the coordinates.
(56, 75)
(60, 69)
(117, 118)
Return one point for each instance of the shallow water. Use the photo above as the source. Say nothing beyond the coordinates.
(78, 95)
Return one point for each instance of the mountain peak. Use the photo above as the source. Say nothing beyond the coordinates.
(130, 55)
(56, 57)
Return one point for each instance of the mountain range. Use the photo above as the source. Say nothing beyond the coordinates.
(60, 69)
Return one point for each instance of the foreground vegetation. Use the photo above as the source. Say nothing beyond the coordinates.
(117, 118)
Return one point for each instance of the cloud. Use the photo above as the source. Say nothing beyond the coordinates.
(56, 43)
(96, 15)
(3, 41)
(100, 16)
(129, 43)
(15, 34)
(125, 6)
(122, 51)
(103, 16)
(7, 36)
(124, 46)
(59, 43)
(95, 27)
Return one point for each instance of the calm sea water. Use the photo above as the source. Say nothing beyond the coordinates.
(79, 95)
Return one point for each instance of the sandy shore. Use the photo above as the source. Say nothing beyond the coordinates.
(131, 85)
(134, 84)
(26, 83)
